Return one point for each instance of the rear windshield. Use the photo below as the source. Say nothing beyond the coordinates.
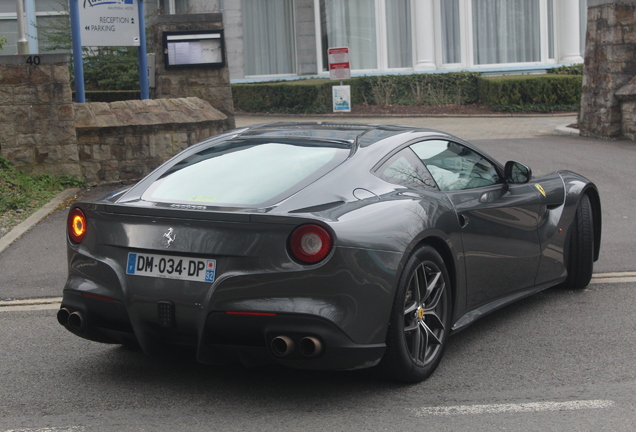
(244, 174)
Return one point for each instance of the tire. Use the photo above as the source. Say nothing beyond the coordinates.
(420, 319)
(581, 249)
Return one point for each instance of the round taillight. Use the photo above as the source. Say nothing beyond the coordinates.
(310, 243)
(76, 225)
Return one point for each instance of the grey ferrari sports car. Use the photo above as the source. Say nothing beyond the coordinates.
(323, 246)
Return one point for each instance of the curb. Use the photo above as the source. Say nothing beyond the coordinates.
(24, 227)
(565, 130)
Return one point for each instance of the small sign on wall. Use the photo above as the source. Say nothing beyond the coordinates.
(193, 48)
(341, 98)
(339, 65)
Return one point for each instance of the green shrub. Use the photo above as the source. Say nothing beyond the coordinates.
(27, 192)
(304, 96)
(543, 93)
(314, 95)
(576, 69)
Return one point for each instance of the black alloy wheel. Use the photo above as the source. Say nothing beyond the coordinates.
(420, 319)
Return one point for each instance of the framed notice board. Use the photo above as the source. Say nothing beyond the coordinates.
(194, 48)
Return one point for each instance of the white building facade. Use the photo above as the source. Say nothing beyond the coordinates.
(272, 39)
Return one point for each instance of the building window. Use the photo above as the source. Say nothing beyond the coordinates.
(451, 45)
(268, 37)
(398, 32)
(506, 31)
(350, 23)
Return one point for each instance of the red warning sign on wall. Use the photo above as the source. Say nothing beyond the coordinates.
(339, 66)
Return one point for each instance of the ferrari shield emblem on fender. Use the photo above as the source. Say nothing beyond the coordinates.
(169, 237)
(540, 188)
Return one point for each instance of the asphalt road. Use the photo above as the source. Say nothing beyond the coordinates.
(557, 361)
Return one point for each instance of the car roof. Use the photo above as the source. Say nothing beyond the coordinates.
(361, 134)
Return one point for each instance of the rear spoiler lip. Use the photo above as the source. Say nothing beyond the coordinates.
(211, 215)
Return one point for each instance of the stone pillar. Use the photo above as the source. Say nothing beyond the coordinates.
(424, 35)
(37, 119)
(610, 63)
(211, 84)
(569, 44)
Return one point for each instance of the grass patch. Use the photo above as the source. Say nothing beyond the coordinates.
(22, 194)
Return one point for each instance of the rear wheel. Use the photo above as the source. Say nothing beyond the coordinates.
(581, 252)
(420, 318)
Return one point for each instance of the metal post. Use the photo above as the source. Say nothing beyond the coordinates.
(23, 44)
(78, 67)
(32, 31)
(141, 54)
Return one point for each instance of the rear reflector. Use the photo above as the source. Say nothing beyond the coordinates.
(98, 297)
(310, 244)
(250, 313)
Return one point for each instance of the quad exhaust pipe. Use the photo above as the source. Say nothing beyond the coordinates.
(310, 346)
(74, 321)
(284, 346)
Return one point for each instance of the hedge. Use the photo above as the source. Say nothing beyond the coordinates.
(560, 91)
(542, 93)
(314, 95)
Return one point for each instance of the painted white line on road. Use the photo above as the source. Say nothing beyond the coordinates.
(35, 301)
(46, 306)
(513, 408)
(49, 429)
(47, 303)
(613, 280)
(622, 277)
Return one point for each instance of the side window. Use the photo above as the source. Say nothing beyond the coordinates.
(454, 166)
(405, 169)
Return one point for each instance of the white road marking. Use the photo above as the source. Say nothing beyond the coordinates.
(49, 429)
(46, 303)
(613, 277)
(513, 408)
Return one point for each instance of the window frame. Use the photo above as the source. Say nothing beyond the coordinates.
(466, 37)
(381, 41)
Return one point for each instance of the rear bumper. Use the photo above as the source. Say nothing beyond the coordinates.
(223, 337)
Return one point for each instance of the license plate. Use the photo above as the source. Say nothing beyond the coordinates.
(171, 267)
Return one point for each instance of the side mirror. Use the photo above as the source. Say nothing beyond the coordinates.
(517, 173)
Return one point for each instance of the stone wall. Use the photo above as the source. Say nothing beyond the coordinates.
(43, 131)
(627, 97)
(209, 83)
(123, 141)
(610, 64)
(37, 124)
